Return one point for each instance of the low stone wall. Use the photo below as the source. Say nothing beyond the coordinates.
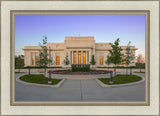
(42, 70)
(121, 85)
(79, 77)
(40, 85)
(38, 70)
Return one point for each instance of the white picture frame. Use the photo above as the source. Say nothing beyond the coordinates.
(8, 109)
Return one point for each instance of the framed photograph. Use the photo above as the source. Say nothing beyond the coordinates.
(80, 58)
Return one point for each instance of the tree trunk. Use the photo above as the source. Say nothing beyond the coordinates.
(127, 70)
(130, 71)
(140, 69)
(111, 81)
(49, 76)
(19, 69)
(44, 73)
(115, 73)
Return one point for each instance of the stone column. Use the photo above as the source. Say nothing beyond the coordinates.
(54, 60)
(76, 57)
(72, 57)
(90, 56)
(34, 59)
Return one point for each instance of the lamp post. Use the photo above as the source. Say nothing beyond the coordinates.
(49, 77)
(111, 75)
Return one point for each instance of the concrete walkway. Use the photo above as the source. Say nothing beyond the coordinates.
(79, 90)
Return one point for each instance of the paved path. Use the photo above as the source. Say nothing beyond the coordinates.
(79, 90)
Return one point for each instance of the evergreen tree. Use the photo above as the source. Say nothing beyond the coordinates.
(43, 55)
(108, 61)
(139, 60)
(92, 62)
(66, 60)
(19, 62)
(115, 54)
(129, 57)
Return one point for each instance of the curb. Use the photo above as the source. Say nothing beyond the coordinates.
(40, 85)
(120, 85)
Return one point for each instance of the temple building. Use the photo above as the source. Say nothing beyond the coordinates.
(78, 49)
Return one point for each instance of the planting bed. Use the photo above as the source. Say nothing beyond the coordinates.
(69, 72)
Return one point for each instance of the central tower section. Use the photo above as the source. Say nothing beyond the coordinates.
(80, 48)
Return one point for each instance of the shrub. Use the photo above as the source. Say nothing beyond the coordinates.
(39, 67)
(80, 67)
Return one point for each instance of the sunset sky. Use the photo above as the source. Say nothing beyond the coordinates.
(30, 29)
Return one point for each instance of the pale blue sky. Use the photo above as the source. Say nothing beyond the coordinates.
(29, 29)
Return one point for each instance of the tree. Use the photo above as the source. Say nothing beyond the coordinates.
(115, 54)
(43, 55)
(16, 57)
(66, 60)
(93, 61)
(129, 57)
(19, 62)
(139, 60)
(108, 61)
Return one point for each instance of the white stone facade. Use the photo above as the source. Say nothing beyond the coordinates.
(79, 50)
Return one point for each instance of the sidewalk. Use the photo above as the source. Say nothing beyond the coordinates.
(79, 90)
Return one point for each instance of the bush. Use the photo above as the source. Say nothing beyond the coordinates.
(39, 67)
(80, 67)
(120, 67)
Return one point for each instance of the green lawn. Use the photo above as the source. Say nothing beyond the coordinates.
(138, 72)
(39, 79)
(121, 79)
(19, 72)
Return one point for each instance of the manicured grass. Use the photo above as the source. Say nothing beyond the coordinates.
(39, 79)
(138, 72)
(19, 72)
(121, 79)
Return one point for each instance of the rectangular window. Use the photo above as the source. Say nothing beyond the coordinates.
(57, 60)
(74, 55)
(101, 60)
(33, 60)
(79, 57)
(122, 63)
(84, 57)
(36, 60)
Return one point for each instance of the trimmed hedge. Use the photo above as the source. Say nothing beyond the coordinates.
(80, 68)
(39, 67)
(122, 67)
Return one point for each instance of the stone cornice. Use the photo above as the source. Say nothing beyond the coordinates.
(40, 49)
(79, 47)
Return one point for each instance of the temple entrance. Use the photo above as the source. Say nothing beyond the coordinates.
(79, 57)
